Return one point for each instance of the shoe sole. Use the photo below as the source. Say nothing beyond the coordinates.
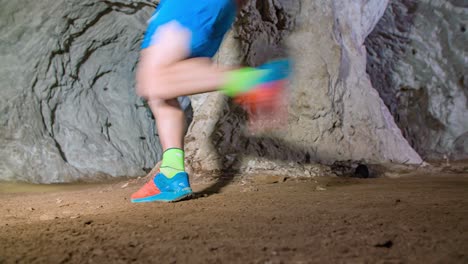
(165, 197)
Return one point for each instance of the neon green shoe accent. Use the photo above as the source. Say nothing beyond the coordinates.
(172, 162)
(242, 80)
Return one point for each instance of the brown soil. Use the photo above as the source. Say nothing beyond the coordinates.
(417, 219)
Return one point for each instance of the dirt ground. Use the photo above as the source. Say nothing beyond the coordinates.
(414, 219)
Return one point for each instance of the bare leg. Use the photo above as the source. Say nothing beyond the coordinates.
(164, 73)
(186, 77)
(170, 122)
(161, 66)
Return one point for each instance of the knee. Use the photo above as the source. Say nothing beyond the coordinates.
(150, 82)
(158, 105)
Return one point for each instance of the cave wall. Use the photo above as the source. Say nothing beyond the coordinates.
(334, 113)
(417, 60)
(69, 110)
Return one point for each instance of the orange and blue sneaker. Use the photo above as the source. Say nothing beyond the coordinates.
(266, 102)
(268, 88)
(164, 189)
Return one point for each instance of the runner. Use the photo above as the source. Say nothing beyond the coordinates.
(181, 39)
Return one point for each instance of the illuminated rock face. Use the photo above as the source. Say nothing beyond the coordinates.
(67, 107)
(417, 61)
(69, 110)
(335, 114)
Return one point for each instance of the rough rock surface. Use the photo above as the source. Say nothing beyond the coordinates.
(418, 61)
(68, 109)
(335, 114)
(73, 113)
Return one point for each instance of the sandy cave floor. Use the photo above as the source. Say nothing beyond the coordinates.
(415, 219)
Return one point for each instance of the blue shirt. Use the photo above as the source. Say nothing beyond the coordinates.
(207, 20)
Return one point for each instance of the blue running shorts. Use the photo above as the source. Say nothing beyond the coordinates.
(207, 20)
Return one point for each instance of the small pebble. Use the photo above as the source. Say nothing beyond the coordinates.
(46, 217)
(319, 188)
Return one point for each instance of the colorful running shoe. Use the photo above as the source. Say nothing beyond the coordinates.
(266, 103)
(163, 189)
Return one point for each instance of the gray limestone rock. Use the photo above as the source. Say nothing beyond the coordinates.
(68, 109)
(335, 114)
(417, 60)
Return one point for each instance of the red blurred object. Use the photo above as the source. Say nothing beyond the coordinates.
(266, 106)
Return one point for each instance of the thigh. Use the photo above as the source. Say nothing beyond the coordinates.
(170, 44)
